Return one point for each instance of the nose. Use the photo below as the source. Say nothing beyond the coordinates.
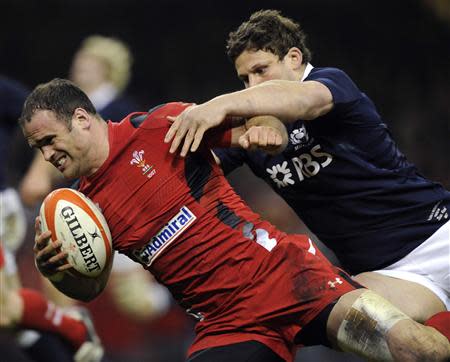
(47, 152)
(254, 79)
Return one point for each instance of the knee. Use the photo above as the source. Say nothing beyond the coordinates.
(415, 342)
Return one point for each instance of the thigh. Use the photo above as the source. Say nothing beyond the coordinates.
(250, 351)
(414, 299)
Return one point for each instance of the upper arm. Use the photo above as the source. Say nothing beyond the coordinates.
(323, 90)
(316, 100)
(339, 85)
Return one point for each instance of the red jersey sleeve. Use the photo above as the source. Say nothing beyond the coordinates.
(219, 136)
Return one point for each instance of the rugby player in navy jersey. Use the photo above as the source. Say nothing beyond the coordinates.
(256, 292)
(341, 172)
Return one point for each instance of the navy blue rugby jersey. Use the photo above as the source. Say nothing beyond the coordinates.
(344, 176)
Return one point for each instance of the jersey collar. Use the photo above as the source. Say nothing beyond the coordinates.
(308, 69)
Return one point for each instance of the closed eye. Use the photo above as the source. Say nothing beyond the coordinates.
(48, 140)
(260, 70)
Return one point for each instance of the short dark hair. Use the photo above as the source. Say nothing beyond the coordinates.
(268, 30)
(60, 96)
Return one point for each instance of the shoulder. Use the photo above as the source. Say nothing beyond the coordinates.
(157, 115)
(328, 73)
(168, 109)
(341, 86)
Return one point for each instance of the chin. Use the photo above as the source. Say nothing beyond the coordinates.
(69, 175)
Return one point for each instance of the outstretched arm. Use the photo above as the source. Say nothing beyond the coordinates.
(285, 100)
(263, 132)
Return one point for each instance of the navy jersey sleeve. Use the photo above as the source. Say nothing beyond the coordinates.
(351, 106)
(339, 83)
(230, 158)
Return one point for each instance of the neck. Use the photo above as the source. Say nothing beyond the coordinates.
(100, 149)
(301, 72)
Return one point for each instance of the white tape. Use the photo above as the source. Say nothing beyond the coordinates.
(365, 326)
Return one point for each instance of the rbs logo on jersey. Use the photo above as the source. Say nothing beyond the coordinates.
(306, 165)
(174, 228)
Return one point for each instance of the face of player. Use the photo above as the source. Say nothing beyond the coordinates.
(255, 67)
(65, 148)
(88, 72)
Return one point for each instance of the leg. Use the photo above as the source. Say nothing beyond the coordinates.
(250, 351)
(421, 303)
(364, 323)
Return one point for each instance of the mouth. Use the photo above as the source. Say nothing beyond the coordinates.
(60, 163)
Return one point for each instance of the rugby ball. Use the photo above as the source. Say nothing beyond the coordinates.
(81, 227)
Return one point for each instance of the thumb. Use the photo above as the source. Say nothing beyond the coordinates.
(244, 142)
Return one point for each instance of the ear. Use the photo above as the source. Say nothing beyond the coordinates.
(294, 58)
(82, 118)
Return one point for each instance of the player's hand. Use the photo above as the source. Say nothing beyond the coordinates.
(49, 258)
(190, 126)
(265, 138)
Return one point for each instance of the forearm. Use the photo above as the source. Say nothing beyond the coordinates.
(286, 100)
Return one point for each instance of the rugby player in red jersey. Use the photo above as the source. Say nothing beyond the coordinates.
(257, 292)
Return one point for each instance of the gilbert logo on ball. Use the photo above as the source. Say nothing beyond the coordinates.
(81, 227)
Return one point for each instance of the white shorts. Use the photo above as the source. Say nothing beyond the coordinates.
(428, 264)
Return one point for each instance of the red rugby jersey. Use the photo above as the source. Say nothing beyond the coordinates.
(179, 218)
(176, 216)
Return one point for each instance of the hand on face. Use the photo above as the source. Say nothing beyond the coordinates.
(49, 258)
(191, 124)
(265, 138)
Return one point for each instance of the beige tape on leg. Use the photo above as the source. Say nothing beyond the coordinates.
(365, 326)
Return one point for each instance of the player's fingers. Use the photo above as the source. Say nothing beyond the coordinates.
(59, 258)
(64, 267)
(45, 253)
(272, 137)
(179, 136)
(243, 141)
(198, 138)
(188, 139)
(258, 137)
(171, 118)
(173, 129)
(37, 226)
(278, 140)
(41, 241)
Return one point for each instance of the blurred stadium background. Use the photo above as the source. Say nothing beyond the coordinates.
(398, 52)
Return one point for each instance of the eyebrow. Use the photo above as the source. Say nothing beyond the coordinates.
(41, 142)
(259, 65)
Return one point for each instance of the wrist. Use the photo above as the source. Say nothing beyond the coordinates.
(222, 105)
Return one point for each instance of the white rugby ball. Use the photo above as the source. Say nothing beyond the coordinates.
(81, 227)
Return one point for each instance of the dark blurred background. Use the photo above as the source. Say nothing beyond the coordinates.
(398, 52)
